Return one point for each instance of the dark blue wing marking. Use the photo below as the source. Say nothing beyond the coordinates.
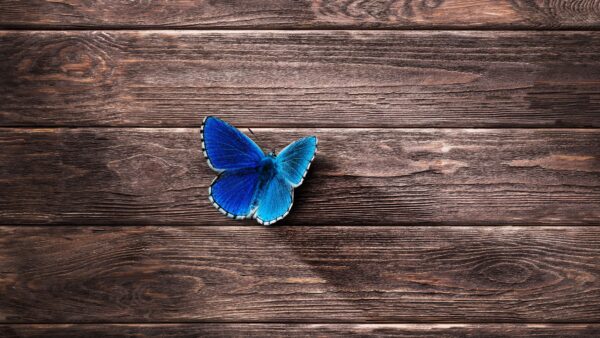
(294, 160)
(225, 147)
(233, 192)
(275, 201)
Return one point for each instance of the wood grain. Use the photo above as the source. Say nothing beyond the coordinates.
(299, 274)
(301, 78)
(312, 14)
(301, 330)
(359, 177)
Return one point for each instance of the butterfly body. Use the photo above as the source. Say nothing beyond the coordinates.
(252, 184)
(267, 169)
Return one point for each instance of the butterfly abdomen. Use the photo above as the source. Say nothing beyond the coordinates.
(267, 170)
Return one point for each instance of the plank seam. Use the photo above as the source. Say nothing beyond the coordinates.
(314, 28)
(261, 128)
(306, 322)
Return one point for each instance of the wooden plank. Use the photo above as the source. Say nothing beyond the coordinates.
(299, 274)
(300, 79)
(301, 330)
(360, 176)
(301, 14)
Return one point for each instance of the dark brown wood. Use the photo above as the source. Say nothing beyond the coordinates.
(299, 274)
(360, 176)
(300, 79)
(301, 14)
(301, 330)
(360, 260)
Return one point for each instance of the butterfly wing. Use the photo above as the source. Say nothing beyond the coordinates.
(277, 197)
(226, 148)
(236, 157)
(275, 201)
(233, 192)
(294, 160)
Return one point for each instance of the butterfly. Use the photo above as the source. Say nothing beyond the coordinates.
(250, 183)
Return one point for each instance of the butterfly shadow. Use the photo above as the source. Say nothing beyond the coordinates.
(343, 268)
(336, 271)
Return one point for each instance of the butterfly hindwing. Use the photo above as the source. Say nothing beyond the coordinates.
(233, 192)
(225, 147)
(295, 159)
(275, 200)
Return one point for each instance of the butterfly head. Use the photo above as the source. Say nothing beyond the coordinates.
(272, 154)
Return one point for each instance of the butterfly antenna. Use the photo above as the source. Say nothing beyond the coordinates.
(253, 134)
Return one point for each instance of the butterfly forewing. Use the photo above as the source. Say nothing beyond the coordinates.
(295, 159)
(225, 147)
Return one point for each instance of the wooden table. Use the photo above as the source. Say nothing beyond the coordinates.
(456, 191)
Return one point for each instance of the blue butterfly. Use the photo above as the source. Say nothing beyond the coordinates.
(251, 184)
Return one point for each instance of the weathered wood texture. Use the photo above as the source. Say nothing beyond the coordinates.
(301, 330)
(360, 176)
(299, 274)
(300, 79)
(301, 14)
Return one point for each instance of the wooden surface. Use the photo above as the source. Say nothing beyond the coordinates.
(302, 330)
(359, 177)
(456, 191)
(301, 79)
(293, 14)
(303, 273)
